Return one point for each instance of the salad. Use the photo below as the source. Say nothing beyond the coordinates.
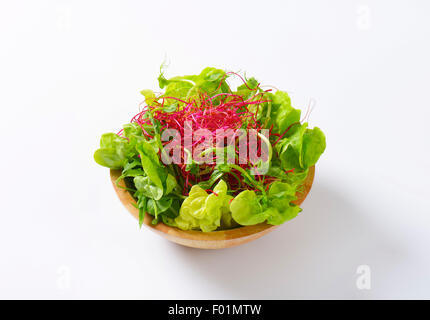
(201, 155)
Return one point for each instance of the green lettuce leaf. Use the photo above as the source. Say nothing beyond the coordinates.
(281, 208)
(313, 146)
(156, 207)
(290, 148)
(278, 112)
(151, 164)
(246, 209)
(302, 148)
(201, 210)
(146, 187)
(227, 221)
(210, 80)
(114, 151)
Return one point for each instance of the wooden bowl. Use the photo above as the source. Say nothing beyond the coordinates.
(204, 240)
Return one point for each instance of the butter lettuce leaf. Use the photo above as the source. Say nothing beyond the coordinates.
(302, 148)
(314, 145)
(278, 112)
(114, 151)
(201, 210)
(281, 208)
(246, 209)
(210, 80)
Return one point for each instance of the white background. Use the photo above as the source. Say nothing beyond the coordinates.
(70, 71)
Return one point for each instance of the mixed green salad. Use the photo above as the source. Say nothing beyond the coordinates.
(179, 171)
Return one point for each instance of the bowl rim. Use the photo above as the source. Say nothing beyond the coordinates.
(240, 232)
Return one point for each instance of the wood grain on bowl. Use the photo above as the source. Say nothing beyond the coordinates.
(204, 240)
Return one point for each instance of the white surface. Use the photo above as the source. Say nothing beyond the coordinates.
(70, 71)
